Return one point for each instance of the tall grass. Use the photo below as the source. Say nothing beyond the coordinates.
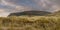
(30, 23)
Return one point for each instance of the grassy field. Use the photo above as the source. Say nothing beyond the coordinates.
(30, 23)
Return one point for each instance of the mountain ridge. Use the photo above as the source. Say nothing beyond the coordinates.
(29, 13)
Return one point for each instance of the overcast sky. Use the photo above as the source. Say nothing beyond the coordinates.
(9, 6)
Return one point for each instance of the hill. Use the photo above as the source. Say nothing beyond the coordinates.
(40, 22)
(29, 13)
(57, 13)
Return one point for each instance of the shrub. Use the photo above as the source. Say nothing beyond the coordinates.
(31, 23)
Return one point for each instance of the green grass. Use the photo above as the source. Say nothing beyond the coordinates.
(30, 23)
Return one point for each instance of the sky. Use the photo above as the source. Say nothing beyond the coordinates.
(11, 6)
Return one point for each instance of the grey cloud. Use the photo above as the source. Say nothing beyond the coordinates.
(44, 5)
(7, 8)
(27, 5)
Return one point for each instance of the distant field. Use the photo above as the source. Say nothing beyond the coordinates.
(30, 23)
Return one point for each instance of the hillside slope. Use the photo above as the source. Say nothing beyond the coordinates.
(57, 13)
(37, 13)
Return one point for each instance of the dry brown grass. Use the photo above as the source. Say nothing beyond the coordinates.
(30, 23)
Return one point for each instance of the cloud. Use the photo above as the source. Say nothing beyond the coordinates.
(21, 8)
(7, 3)
(4, 14)
(16, 5)
(44, 5)
(27, 5)
(48, 5)
(2, 10)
